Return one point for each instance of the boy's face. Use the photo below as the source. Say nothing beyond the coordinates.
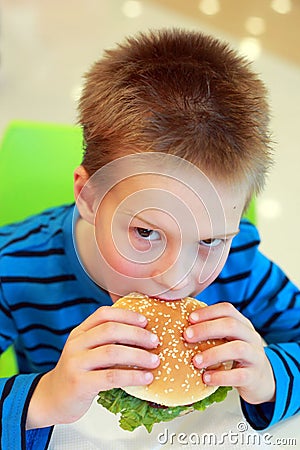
(165, 233)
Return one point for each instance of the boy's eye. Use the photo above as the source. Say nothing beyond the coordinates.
(211, 242)
(147, 234)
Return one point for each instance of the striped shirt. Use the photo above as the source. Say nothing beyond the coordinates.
(45, 293)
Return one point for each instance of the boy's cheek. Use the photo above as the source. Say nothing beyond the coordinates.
(126, 268)
(112, 257)
(212, 267)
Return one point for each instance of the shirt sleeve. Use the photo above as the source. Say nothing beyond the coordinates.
(7, 329)
(15, 394)
(272, 303)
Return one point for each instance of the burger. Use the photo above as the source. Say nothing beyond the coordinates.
(177, 387)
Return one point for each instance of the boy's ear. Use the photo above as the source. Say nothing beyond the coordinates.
(83, 195)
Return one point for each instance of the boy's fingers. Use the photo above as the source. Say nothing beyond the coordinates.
(234, 377)
(102, 380)
(225, 327)
(231, 351)
(120, 355)
(109, 314)
(116, 333)
(217, 311)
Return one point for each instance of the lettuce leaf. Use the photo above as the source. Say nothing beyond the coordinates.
(136, 412)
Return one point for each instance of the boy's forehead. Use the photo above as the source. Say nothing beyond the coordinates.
(144, 183)
(188, 182)
(143, 170)
(154, 180)
(159, 193)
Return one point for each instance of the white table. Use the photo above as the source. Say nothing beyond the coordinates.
(220, 426)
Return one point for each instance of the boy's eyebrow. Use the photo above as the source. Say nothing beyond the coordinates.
(221, 236)
(137, 216)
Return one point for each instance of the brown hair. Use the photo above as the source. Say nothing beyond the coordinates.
(178, 92)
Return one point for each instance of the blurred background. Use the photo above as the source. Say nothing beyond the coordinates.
(47, 45)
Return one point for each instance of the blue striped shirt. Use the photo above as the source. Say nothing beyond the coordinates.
(45, 293)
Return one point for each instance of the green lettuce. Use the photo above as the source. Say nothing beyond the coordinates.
(136, 412)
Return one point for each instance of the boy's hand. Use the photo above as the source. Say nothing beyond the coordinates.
(92, 361)
(252, 373)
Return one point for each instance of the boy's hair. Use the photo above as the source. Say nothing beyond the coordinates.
(178, 92)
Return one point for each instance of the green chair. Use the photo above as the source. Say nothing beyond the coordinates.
(37, 161)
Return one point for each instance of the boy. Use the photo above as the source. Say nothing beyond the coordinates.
(176, 142)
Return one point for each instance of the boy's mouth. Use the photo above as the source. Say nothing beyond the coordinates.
(165, 298)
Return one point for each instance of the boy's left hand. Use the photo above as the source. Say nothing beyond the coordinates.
(252, 373)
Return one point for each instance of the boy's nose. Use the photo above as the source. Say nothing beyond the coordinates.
(172, 280)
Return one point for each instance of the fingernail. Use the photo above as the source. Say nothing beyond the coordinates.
(154, 359)
(194, 316)
(189, 333)
(141, 318)
(207, 378)
(154, 338)
(148, 376)
(198, 359)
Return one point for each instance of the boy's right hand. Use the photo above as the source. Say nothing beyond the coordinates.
(109, 338)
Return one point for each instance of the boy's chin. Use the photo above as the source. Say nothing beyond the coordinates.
(114, 297)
